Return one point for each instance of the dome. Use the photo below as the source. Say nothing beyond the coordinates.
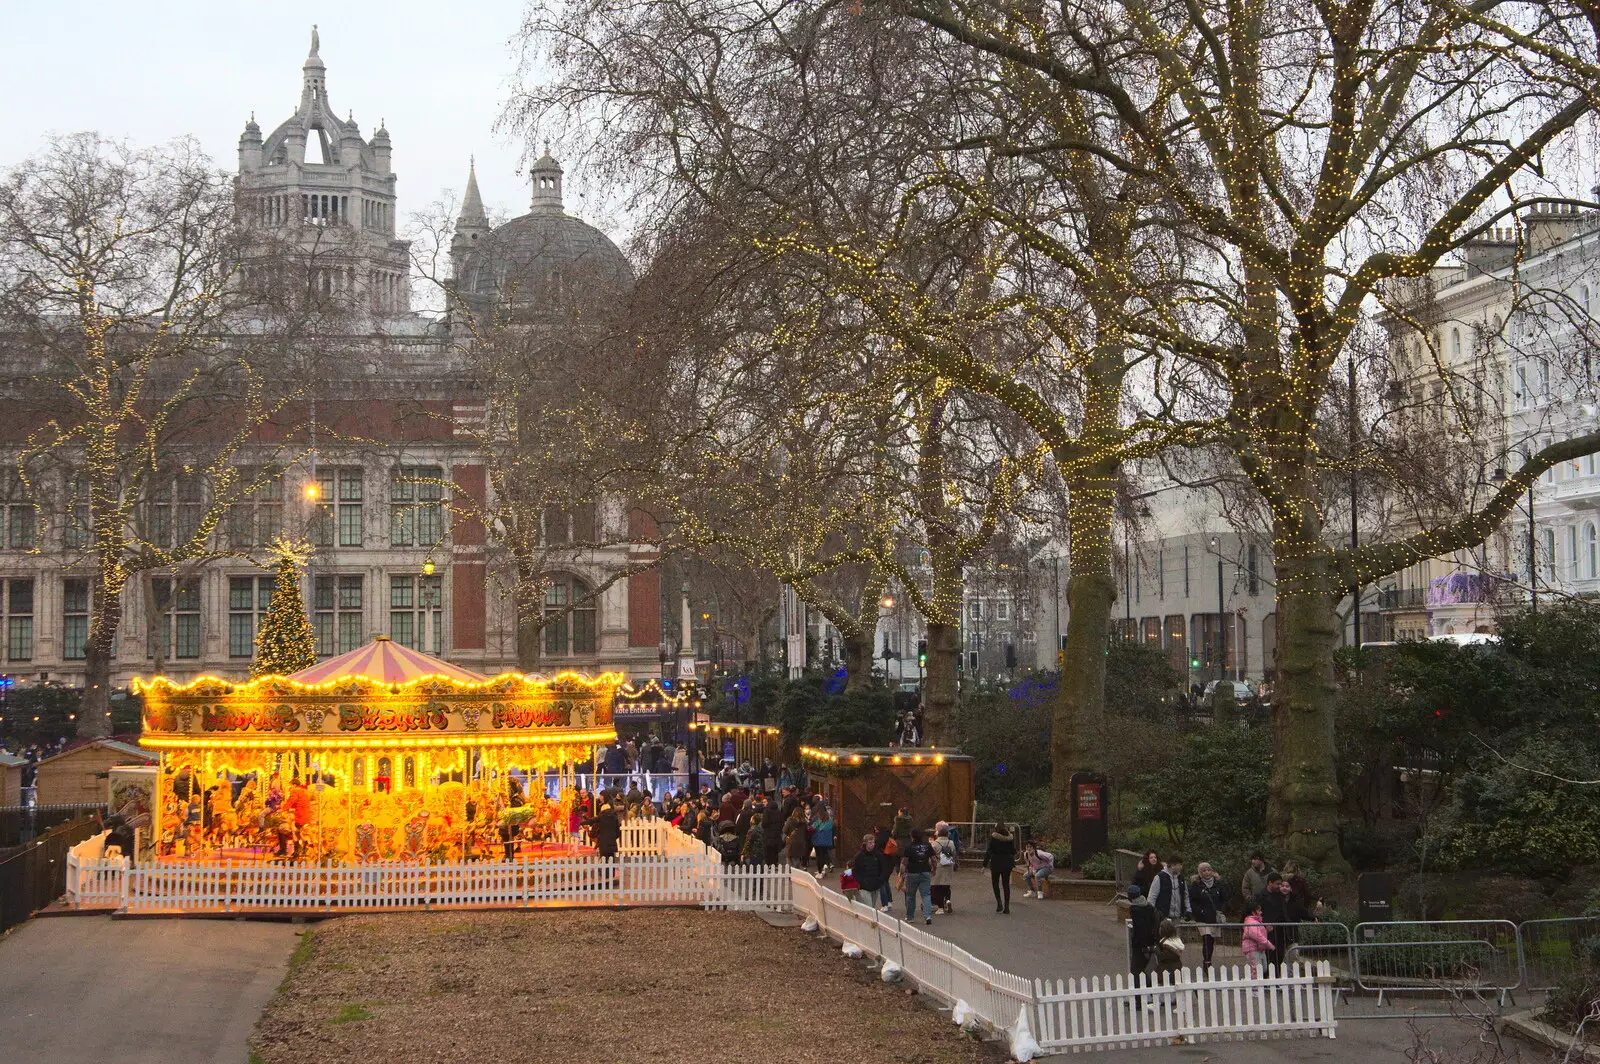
(540, 259)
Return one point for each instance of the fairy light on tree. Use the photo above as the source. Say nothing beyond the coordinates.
(285, 642)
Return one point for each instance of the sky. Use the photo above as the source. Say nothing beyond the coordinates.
(438, 73)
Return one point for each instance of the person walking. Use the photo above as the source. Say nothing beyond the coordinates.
(890, 850)
(1143, 926)
(944, 868)
(1208, 901)
(916, 875)
(1169, 892)
(1039, 864)
(822, 837)
(797, 839)
(1000, 858)
(606, 831)
(868, 868)
(1256, 943)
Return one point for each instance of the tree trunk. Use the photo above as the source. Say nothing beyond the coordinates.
(1303, 803)
(530, 635)
(857, 660)
(94, 718)
(1091, 590)
(939, 683)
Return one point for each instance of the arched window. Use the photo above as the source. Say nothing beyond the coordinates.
(1591, 552)
(569, 618)
(1455, 343)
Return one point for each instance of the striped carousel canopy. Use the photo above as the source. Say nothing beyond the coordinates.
(385, 661)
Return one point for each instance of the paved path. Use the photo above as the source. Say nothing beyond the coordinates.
(1061, 939)
(83, 989)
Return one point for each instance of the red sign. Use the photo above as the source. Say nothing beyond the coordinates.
(1088, 801)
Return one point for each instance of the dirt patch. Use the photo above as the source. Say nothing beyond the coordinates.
(676, 985)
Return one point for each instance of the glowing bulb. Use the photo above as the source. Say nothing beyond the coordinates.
(312, 491)
(427, 567)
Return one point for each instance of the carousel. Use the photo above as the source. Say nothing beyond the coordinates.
(379, 754)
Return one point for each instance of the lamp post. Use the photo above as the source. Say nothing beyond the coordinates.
(1355, 519)
(1222, 625)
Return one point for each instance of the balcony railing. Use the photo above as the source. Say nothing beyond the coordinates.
(1403, 598)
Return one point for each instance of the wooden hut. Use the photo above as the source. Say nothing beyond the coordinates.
(77, 775)
(11, 767)
(867, 786)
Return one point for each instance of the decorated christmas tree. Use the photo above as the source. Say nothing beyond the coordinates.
(285, 642)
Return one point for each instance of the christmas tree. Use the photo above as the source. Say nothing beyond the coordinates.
(285, 642)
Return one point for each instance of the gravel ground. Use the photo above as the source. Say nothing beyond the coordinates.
(675, 985)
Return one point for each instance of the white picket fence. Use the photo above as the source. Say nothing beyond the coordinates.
(1081, 1014)
(935, 964)
(1189, 1005)
(658, 865)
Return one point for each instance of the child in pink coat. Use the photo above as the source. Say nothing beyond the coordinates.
(1255, 942)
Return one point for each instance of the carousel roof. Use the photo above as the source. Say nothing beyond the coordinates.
(385, 661)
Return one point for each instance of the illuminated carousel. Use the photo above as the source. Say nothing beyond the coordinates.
(380, 754)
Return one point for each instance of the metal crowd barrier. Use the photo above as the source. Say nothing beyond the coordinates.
(1480, 957)
(1551, 949)
(1329, 941)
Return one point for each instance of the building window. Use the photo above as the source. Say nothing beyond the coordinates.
(248, 599)
(1547, 563)
(173, 510)
(577, 525)
(74, 619)
(340, 515)
(257, 519)
(1186, 570)
(1161, 572)
(975, 611)
(17, 509)
(416, 612)
(18, 602)
(178, 603)
(569, 618)
(1252, 570)
(1002, 610)
(338, 614)
(415, 508)
(1591, 552)
(75, 529)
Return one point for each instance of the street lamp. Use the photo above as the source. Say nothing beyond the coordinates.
(1222, 625)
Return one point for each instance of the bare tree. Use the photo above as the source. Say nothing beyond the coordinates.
(143, 356)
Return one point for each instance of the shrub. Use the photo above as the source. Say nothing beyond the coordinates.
(1217, 784)
(863, 717)
(1100, 866)
(1369, 848)
(1574, 998)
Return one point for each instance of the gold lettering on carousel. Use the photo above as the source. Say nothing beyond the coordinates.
(265, 719)
(388, 718)
(526, 714)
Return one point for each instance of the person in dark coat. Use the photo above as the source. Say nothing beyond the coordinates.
(1144, 923)
(1208, 900)
(868, 868)
(1000, 858)
(1280, 911)
(1145, 874)
(1169, 892)
(891, 863)
(120, 834)
(797, 839)
(607, 832)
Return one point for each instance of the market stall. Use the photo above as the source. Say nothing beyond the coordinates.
(380, 754)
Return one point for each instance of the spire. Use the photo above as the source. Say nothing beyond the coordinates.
(314, 71)
(546, 174)
(471, 200)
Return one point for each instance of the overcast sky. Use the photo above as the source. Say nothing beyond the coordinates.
(438, 72)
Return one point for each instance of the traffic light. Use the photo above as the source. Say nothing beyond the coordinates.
(922, 653)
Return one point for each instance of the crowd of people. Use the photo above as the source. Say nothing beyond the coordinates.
(1269, 903)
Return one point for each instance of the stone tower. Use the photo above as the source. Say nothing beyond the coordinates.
(318, 187)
